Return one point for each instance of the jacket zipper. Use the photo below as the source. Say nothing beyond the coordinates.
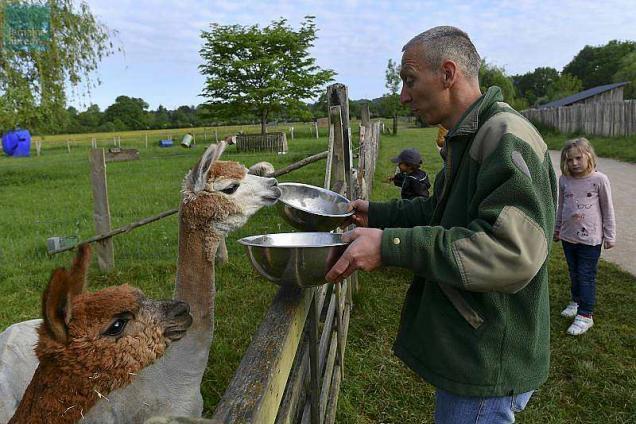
(452, 294)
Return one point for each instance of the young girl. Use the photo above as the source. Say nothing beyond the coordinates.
(585, 220)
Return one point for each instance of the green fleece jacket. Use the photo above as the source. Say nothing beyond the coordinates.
(475, 321)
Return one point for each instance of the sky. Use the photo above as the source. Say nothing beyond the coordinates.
(161, 39)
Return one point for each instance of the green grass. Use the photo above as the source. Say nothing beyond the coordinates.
(593, 378)
(620, 148)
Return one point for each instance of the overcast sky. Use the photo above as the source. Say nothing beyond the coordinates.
(162, 39)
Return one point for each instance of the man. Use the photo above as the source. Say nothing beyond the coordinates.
(475, 321)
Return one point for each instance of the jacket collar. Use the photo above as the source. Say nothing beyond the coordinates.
(469, 122)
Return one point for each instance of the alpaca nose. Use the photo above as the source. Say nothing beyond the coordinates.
(178, 309)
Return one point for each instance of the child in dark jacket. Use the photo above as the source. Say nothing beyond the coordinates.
(413, 181)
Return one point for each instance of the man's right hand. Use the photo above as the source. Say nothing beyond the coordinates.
(360, 215)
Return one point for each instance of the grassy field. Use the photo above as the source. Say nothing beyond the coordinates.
(593, 378)
(621, 148)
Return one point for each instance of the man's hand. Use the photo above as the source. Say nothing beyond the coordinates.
(390, 179)
(556, 237)
(364, 252)
(609, 244)
(360, 212)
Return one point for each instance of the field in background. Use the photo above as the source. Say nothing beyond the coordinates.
(619, 148)
(593, 378)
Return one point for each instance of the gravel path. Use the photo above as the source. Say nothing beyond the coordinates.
(622, 177)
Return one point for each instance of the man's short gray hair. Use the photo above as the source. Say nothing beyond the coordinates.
(448, 43)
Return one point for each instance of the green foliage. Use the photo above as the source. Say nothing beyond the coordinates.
(33, 77)
(597, 65)
(564, 86)
(490, 75)
(259, 71)
(534, 85)
(627, 72)
(129, 111)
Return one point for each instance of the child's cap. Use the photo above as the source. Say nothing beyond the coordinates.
(410, 156)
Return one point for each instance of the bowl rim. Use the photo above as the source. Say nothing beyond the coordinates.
(328, 215)
(248, 241)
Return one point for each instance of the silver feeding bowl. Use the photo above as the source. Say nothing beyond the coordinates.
(311, 208)
(294, 259)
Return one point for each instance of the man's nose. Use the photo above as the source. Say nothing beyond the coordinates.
(404, 96)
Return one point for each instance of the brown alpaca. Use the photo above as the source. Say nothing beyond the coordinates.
(90, 344)
(217, 197)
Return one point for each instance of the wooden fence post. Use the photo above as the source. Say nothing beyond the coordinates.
(101, 214)
(38, 147)
(68, 145)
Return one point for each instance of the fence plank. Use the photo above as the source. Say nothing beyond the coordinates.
(101, 210)
(256, 389)
(608, 119)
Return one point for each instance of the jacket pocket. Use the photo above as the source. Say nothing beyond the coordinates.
(465, 310)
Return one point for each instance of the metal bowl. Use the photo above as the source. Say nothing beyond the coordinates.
(294, 259)
(311, 208)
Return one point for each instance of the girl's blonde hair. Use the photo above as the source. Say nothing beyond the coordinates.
(584, 147)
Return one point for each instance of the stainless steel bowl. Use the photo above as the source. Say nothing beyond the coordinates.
(294, 259)
(311, 208)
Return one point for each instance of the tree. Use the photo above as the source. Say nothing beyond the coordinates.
(564, 86)
(260, 71)
(392, 99)
(597, 65)
(490, 75)
(127, 113)
(534, 85)
(627, 72)
(49, 43)
(91, 118)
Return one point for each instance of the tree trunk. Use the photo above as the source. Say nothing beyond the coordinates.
(263, 122)
(395, 123)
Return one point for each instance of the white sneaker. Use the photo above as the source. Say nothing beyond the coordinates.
(580, 325)
(570, 310)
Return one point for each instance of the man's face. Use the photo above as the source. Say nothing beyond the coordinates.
(422, 88)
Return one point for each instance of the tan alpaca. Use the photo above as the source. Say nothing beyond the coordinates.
(92, 343)
(217, 197)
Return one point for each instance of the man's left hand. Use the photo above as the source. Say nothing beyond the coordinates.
(364, 252)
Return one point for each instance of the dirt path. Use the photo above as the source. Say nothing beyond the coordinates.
(623, 180)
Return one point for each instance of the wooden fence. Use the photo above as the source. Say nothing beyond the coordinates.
(292, 370)
(268, 142)
(609, 119)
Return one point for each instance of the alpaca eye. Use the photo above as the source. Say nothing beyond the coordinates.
(116, 328)
(231, 189)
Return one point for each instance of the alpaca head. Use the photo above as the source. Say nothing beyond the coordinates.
(110, 334)
(221, 195)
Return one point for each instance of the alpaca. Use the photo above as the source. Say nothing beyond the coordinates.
(262, 169)
(92, 343)
(217, 197)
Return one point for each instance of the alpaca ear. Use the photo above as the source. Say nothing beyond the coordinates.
(56, 305)
(79, 270)
(212, 153)
(58, 296)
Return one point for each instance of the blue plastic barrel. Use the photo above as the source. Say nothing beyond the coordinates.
(165, 143)
(16, 143)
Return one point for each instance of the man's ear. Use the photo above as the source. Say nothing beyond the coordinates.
(57, 299)
(449, 73)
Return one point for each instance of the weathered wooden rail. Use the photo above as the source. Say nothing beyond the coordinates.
(293, 368)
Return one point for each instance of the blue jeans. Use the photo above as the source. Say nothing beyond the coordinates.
(454, 409)
(582, 263)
